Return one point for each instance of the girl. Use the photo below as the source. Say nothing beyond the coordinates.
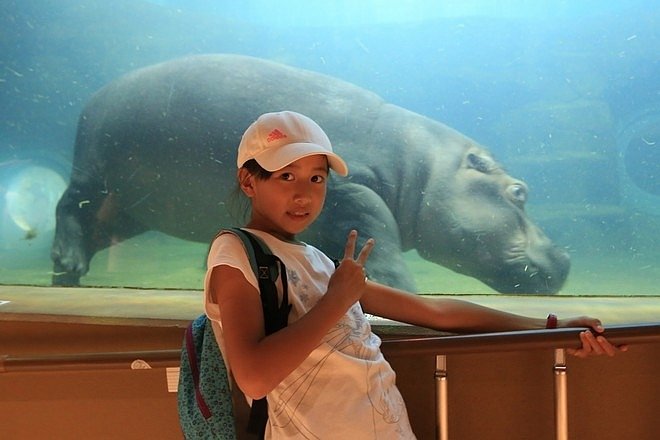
(324, 374)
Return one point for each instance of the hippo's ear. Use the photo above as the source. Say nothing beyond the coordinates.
(483, 164)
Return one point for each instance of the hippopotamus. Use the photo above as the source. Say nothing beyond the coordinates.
(156, 150)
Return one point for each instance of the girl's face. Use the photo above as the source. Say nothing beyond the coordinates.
(290, 200)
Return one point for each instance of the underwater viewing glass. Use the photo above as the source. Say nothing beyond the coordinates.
(504, 152)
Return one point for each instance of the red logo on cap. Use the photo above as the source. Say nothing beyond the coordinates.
(275, 135)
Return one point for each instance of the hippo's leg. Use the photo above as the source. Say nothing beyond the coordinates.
(89, 219)
(353, 206)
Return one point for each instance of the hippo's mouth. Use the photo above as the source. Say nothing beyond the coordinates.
(531, 271)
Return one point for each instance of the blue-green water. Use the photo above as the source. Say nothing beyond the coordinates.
(565, 95)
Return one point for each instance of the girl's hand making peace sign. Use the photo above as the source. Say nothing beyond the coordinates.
(349, 280)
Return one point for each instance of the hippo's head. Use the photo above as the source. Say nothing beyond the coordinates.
(472, 220)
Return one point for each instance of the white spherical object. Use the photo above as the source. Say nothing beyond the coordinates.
(31, 197)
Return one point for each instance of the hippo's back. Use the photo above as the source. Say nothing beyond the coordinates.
(159, 134)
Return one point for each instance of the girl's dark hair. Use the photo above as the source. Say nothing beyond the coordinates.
(255, 169)
(239, 206)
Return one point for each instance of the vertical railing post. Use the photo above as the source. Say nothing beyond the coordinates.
(561, 395)
(441, 419)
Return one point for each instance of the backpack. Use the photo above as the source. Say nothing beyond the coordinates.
(205, 406)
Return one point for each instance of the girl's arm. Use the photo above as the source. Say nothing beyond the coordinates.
(456, 315)
(439, 313)
(258, 362)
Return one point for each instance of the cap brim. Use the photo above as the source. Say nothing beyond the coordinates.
(277, 158)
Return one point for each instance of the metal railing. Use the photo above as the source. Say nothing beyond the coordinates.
(556, 339)
(439, 346)
(517, 341)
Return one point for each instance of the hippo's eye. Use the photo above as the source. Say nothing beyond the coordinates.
(482, 164)
(518, 193)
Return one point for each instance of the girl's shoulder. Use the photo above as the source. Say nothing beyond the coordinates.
(224, 248)
(300, 251)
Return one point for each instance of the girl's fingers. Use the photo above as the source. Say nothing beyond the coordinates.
(366, 250)
(349, 250)
(595, 345)
(589, 341)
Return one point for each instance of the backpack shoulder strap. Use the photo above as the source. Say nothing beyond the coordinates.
(267, 268)
(244, 236)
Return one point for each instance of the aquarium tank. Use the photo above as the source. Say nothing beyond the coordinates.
(483, 134)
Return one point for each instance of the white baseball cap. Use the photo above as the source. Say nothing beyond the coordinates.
(277, 139)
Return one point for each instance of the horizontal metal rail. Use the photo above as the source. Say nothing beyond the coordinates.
(517, 341)
(416, 346)
(91, 361)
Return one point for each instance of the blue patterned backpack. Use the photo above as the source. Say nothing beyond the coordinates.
(206, 409)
